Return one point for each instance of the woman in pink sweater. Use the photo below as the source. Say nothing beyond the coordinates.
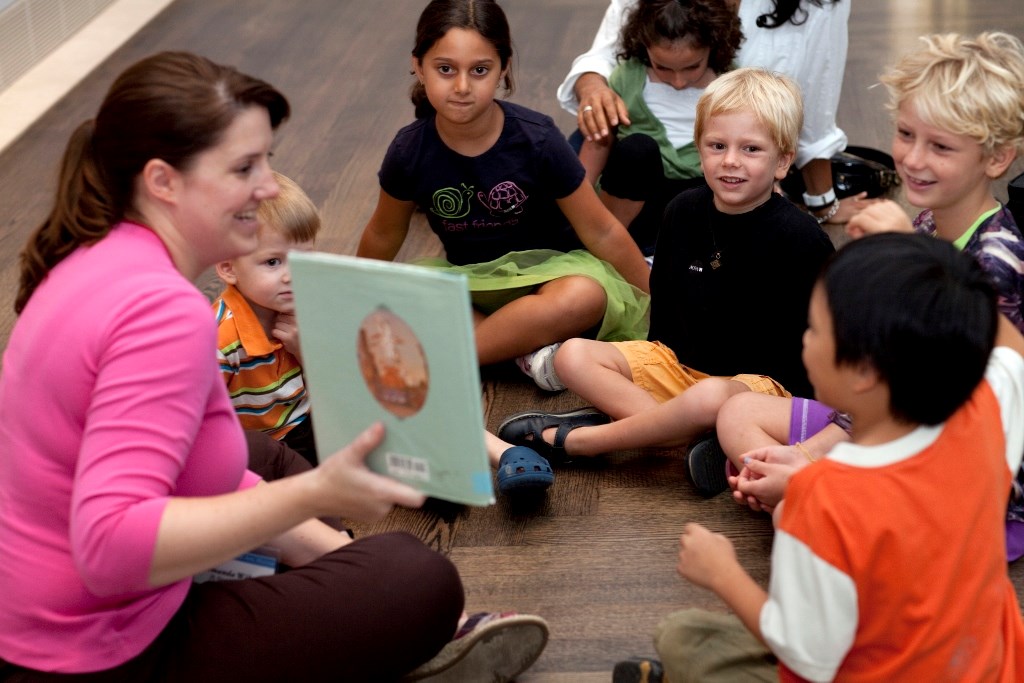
(122, 463)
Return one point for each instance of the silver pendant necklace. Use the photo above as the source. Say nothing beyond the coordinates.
(716, 253)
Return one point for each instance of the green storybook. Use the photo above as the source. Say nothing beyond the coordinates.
(393, 342)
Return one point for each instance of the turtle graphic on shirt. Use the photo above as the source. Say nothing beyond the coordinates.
(503, 199)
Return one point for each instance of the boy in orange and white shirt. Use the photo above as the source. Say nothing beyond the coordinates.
(888, 561)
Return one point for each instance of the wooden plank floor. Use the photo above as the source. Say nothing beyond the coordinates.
(596, 556)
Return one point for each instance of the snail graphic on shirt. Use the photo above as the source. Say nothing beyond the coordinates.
(449, 202)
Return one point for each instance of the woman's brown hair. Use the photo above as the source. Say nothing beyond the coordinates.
(170, 106)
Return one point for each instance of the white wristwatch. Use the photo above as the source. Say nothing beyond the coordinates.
(820, 201)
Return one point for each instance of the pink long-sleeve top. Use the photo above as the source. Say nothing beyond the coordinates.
(111, 402)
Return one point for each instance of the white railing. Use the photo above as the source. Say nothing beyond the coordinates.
(31, 29)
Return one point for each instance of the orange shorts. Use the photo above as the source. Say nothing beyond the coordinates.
(657, 371)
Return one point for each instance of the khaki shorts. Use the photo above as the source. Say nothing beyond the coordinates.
(657, 371)
(712, 647)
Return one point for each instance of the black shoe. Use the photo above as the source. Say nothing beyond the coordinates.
(638, 670)
(525, 429)
(706, 463)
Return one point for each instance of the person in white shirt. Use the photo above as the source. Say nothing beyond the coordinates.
(803, 39)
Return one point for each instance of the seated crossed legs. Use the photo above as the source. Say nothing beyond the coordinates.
(642, 397)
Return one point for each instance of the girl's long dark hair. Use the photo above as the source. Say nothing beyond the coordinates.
(170, 106)
(440, 16)
(787, 10)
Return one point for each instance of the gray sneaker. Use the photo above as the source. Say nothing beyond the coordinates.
(490, 647)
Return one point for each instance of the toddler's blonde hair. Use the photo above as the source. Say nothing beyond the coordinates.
(774, 100)
(291, 213)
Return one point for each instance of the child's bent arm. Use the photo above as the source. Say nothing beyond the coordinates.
(709, 560)
(387, 228)
(594, 157)
(604, 236)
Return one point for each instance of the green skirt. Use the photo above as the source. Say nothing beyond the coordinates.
(498, 282)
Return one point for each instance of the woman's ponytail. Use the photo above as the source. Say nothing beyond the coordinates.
(81, 215)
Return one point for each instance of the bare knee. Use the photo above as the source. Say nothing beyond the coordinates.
(579, 357)
(768, 414)
(574, 356)
(576, 298)
(738, 410)
(709, 395)
(750, 420)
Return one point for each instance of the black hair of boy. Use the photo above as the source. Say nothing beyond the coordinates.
(920, 312)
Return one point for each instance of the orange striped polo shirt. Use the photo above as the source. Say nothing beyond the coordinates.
(264, 379)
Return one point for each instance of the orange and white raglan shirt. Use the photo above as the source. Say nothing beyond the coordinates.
(889, 561)
(264, 379)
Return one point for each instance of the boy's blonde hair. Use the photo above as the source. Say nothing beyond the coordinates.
(291, 213)
(967, 86)
(774, 100)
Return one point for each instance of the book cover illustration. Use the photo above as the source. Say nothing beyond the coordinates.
(393, 342)
(393, 363)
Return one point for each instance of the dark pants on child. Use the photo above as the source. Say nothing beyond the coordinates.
(634, 171)
(300, 439)
(370, 611)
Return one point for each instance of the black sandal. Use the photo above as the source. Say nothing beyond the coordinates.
(527, 428)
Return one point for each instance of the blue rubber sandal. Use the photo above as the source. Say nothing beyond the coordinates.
(523, 469)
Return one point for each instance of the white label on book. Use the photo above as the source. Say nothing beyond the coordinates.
(408, 467)
(259, 562)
